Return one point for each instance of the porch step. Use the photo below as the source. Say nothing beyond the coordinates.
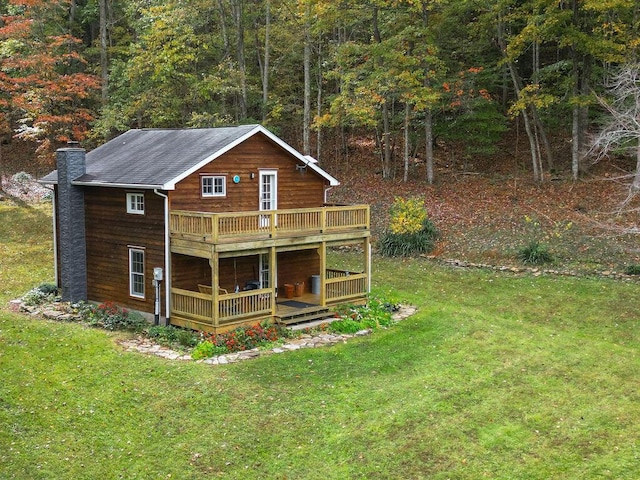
(311, 324)
(304, 316)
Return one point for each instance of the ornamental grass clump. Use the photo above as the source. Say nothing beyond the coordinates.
(535, 253)
(632, 270)
(410, 230)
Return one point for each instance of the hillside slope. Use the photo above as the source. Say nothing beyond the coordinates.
(487, 215)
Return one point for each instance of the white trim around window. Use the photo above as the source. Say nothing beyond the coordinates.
(213, 185)
(136, 272)
(135, 203)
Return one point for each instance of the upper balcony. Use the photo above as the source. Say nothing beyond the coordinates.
(233, 229)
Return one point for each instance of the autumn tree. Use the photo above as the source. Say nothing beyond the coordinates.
(554, 52)
(383, 73)
(47, 93)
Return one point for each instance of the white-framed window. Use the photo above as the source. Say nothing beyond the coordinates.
(136, 272)
(213, 185)
(135, 203)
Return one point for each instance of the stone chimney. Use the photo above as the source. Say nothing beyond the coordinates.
(73, 254)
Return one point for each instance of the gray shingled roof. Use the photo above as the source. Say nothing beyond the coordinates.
(159, 158)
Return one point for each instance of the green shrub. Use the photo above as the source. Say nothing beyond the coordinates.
(164, 335)
(535, 253)
(171, 336)
(410, 231)
(109, 316)
(43, 293)
(375, 314)
(206, 349)
(632, 270)
(48, 288)
(186, 338)
(34, 297)
(345, 325)
(125, 320)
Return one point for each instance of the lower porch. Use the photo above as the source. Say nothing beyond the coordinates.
(217, 310)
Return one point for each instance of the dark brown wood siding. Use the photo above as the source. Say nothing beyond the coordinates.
(110, 231)
(296, 188)
(188, 272)
(297, 267)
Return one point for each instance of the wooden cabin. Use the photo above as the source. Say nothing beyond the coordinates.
(207, 229)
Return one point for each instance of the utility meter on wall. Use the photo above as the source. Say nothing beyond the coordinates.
(157, 274)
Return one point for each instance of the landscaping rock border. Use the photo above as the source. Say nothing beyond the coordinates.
(305, 340)
(535, 271)
(61, 312)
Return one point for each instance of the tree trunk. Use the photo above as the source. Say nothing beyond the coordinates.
(238, 13)
(545, 139)
(517, 84)
(581, 71)
(580, 118)
(72, 13)
(386, 161)
(406, 143)
(428, 139)
(104, 65)
(1, 167)
(386, 158)
(319, 103)
(534, 111)
(223, 28)
(575, 143)
(306, 120)
(533, 143)
(265, 67)
(635, 187)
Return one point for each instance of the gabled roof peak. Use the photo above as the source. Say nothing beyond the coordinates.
(162, 157)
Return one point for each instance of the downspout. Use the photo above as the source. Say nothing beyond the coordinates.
(167, 257)
(326, 193)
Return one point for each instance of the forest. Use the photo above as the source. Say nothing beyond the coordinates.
(406, 75)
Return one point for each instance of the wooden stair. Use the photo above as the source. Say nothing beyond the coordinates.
(303, 315)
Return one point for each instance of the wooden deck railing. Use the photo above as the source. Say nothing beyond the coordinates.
(194, 306)
(217, 227)
(232, 308)
(199, 311)
(345, 287)
(238, 306)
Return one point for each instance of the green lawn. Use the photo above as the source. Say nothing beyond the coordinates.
(496, 376)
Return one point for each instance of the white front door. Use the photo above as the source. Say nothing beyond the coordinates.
(268, 194)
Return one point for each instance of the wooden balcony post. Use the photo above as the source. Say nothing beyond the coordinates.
(273, 225)
(323, 219)
(215, 281)
(273, 281)
(323, 274)
(215, 228)
(366, 247)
